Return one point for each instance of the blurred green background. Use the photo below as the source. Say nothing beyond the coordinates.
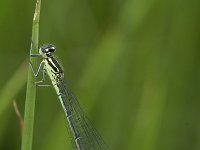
(133, 65)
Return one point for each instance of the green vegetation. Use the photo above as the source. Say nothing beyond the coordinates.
(31, 86)
(133, 65)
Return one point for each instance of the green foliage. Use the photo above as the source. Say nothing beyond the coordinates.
(133, 65)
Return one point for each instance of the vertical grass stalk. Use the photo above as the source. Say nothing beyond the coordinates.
(31, 87)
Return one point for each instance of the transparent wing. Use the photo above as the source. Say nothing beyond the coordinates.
(89, 137)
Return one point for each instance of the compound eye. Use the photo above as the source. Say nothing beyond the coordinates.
(52, 49)
(49, 48)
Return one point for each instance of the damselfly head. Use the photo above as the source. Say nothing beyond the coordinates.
(46, 50)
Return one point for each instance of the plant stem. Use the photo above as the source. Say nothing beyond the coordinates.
(31, 87)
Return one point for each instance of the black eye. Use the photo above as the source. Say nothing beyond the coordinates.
(52, 50)
(48, 48)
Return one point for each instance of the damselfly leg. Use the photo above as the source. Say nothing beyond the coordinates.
(40, 68)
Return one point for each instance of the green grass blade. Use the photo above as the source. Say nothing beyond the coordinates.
(31, 87)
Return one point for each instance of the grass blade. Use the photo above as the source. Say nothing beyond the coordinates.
(31, 87)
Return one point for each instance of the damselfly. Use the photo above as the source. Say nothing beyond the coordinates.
(84, 135)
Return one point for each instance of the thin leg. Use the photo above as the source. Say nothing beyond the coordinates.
(41, 67)
(43, 79)
(44, 85)
(33, 55)
(37, 73)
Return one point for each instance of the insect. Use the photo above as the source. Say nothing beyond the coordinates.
(84, 135)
